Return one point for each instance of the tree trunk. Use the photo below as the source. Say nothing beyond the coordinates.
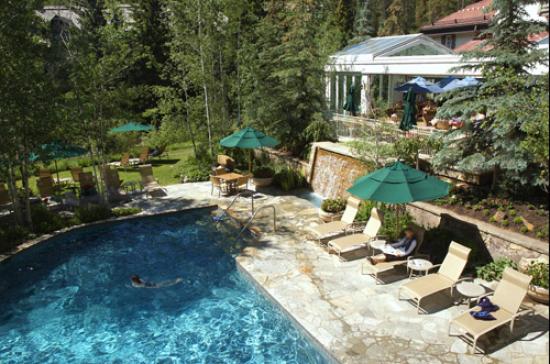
(26, 189)
(12, 186)
(204, 85)
(188, 122)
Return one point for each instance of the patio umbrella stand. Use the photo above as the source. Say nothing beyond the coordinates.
(248, 138)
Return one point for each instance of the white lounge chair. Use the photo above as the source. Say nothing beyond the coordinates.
(353, 242)
(333, 228)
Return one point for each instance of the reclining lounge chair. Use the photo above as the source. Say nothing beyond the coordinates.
(508, 296)
(353, 242)
(446, 278)
(333, 228)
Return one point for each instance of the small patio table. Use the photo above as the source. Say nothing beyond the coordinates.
(418, 267)
(230, 179)
(470, 291)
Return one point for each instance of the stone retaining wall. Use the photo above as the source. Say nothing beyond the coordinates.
(500, 243)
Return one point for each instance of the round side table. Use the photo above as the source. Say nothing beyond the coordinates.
(377, 245)
(470, 291)
(417, 267)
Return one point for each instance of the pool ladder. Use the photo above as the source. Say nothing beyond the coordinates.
(247, 225)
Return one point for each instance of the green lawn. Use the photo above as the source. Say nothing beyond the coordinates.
(163, 169)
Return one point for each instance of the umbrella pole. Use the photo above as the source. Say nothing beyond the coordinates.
(250, 161)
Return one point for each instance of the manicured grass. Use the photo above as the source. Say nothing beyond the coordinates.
(163, 169)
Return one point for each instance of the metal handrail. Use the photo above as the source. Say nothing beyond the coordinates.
(256, 213)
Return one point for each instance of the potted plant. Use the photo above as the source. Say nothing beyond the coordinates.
(263, 176)
(332, 209)
(538, 289)
(491, 273)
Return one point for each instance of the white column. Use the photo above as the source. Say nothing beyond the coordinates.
(336, 92)
(365, 94)
(327, 90)
(390, 89)
(380, 86)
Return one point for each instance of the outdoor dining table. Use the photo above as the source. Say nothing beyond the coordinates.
(230, 180)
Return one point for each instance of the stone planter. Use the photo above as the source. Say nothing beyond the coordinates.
(262, 182)
(538, 294)
(330, 216)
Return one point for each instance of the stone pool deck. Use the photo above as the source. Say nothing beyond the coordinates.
(352, 317)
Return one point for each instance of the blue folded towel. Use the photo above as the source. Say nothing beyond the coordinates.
(486, 308)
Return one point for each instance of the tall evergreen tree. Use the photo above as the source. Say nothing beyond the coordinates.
(498, 143)
(396, 20)
(345, 16)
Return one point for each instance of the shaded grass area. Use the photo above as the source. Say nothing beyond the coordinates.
(163, 168)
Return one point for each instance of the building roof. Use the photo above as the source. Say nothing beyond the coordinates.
(541, 39)
(386, 46)
(472, 15)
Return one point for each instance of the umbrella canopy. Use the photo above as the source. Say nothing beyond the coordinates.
(132, 127)
(409, 113)
(248, 138)
(398, 183)
(421, 86)
(444, 82)
(350, 101)
(466, 82)
(55, 151)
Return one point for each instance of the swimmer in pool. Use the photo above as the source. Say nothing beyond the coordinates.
(137, 282)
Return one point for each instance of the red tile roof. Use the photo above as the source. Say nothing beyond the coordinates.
(474, 43)
(474, 14)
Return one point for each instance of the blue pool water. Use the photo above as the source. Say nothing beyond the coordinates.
(69, 300)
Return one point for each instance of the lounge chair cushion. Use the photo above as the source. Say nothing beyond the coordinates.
(385, 266)
(479, 327)
(427, 285)
(350, 242)
(330, 228)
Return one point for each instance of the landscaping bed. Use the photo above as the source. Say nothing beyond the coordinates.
(530, 219)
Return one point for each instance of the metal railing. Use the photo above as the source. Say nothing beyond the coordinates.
(247, 225)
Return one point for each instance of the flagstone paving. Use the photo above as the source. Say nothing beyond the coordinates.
(351, 316)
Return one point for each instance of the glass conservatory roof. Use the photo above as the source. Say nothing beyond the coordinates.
(379, 46)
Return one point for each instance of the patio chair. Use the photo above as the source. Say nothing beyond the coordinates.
(375, 269)
(217, 184)
(144, 155)
(43, 172)
(45, 186)
(508, 295)
(447, 277)
(4, 195)
(75, 173)
(242, 183)
(150, 184)
(354, 242)
(87, 184)
(226, 162)
(333, 228)
(113, 183)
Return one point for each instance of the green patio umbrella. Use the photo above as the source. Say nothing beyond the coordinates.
(350, 105)
(248, 138)
(409, 116)
(132, 127)
(56, 151)
(397, 183)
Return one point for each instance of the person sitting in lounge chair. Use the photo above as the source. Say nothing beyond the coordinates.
(399, 250)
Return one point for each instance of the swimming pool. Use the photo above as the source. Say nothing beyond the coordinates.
(69, 300)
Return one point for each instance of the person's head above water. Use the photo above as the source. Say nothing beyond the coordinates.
(136, 279)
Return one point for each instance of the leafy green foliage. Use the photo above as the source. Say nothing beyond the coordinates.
(125, 211)
(493, 271)
(333, 205)
(45, 221)
(288, 179)
(91, 213)
(539, 272)
(263, 172)
(193, 170)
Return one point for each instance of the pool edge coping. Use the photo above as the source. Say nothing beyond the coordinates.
(318, 345)
(143, 215)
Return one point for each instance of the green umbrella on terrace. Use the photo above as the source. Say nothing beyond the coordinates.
(248, 138)
(56, 151)
(397, 183)
(350, 104)
(132, 127)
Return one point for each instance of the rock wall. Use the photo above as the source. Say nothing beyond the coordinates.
(500, 243)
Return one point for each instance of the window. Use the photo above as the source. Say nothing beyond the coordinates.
(449, 40)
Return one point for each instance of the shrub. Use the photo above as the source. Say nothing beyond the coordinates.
(333, 205)
(363, 214)
(518, 220)
(194, 170)
(505, 222)
(91, 213)
(44, 220)
(512, 213)
(524, 229)
(289, 179)
(539, 272)
(264, 172)
(493, 271)
(10, 236)
(478, 207)
(492, 219)
(486, 212)
(394, 223)
(542, 233)
(125, 211)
